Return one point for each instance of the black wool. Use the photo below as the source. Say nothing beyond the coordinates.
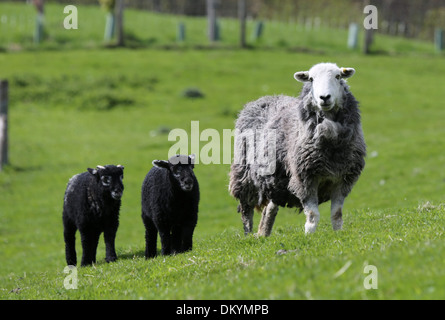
(91, 205)
(170, 199)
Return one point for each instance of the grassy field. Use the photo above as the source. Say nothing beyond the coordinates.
(76, 108)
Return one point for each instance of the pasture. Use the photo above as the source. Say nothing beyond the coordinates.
(77, 108)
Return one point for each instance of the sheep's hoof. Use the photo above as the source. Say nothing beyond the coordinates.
(309, 228)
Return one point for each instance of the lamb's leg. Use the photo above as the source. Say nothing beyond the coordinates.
(151, 238)
(69, 234)
(337, 200)
(187, 237)
(310, 208)
(110, 251)
(90, 240)
(246, 217)
(176, 239)
(166, 240)
(267, 219)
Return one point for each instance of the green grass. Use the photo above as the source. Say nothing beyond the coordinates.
(73, 109)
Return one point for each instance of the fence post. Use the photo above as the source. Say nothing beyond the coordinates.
(3, 123)
(353, 36)
(180, 34)
(242, 19)
(119, 12)
(439, 39)
(258, 30)
(211, 18)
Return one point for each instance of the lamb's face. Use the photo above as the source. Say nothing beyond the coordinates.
(181, 168)
(110, 177)
(327, 87)
(184, 175)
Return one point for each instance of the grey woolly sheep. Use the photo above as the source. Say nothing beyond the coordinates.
(92, 203)
(313, 146)
(170, 199)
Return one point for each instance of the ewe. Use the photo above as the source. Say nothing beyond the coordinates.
(319, 150)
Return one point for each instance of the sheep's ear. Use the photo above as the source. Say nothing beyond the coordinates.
(347, 72)
(92, 171)
(302, 76)
(160, 163)
(192, 158)
(120, 166)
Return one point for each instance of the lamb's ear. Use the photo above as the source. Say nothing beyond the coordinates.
(347, 72)
(92, 171)
(120, 166)
(302, 76)
(192, 158)
(160, 163)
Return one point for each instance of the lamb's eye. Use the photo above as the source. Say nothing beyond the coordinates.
(337, 77)
(106, 180)
(177, 169)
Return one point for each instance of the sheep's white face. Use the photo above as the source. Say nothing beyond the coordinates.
(327, 89)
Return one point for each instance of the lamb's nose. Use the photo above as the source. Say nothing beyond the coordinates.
(325, 98)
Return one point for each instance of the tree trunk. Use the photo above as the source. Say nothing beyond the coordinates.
(120, 23)
(242, 19)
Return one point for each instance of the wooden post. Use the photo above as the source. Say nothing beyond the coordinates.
(368, 34)
(242, 19)
(120, 23)
(439, 39)
(368, 41)
(3, 123)
(38, 32)
(211, 18)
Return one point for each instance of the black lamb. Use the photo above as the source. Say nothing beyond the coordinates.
(92, 203)
(170, 199)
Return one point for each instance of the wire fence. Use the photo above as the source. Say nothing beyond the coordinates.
(413, 19)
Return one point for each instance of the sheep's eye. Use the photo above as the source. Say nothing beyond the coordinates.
(337, 77)
(311, 79)
(177, 169)
(106, 180)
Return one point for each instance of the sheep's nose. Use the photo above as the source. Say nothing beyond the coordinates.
(325, 98)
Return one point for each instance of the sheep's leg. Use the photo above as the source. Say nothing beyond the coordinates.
(247, 218)
(310, 208)
(69, 234)
(110, 251)
(187, 237)
(267, 219)
(176, 239)
(166, 242)
(90, 240)
(151, 236)
(337, 200)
